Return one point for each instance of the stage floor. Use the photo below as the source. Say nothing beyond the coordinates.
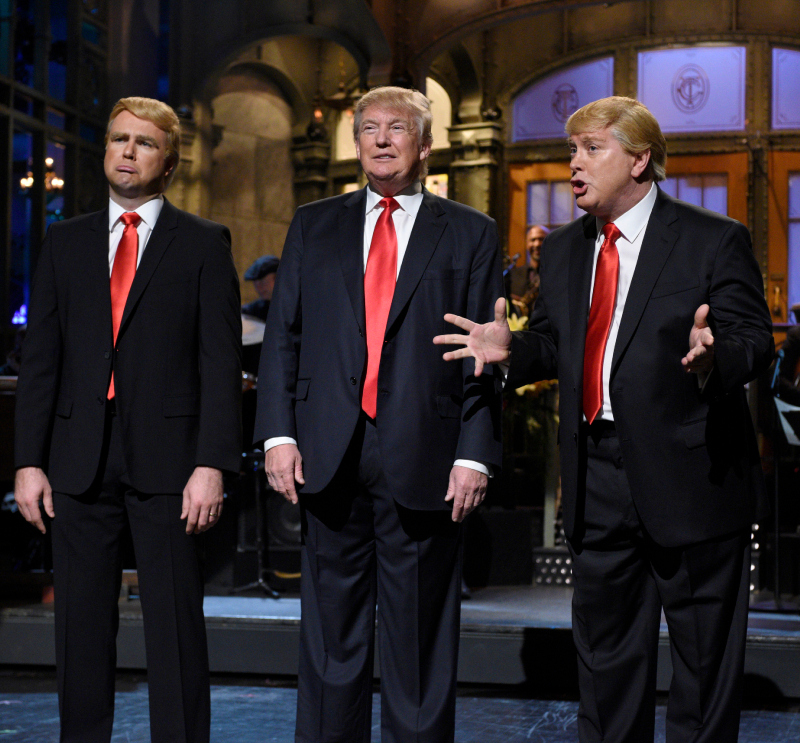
(263, 714)
(517, 635)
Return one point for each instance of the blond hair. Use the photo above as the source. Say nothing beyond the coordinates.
(632, 125)
(404, 100)
(157, 113)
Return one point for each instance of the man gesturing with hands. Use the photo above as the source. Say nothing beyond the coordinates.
(652, 317)
(385, 446)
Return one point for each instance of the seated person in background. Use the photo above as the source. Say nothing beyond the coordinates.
(262, 274)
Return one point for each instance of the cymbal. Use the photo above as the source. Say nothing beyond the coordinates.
(252, 330)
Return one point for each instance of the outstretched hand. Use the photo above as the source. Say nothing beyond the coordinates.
(700, 358)
(489, 343)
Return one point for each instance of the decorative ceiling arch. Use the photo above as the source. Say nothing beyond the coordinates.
(217, 32)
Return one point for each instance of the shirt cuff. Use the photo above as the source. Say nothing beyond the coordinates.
(277, 441)
(477, 466)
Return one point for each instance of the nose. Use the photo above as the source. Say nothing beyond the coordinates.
(575, 161)
(382, 138)
(128, 150)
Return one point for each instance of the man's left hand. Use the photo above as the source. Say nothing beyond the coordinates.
(700, 359)
(202, 499)
(467, 490)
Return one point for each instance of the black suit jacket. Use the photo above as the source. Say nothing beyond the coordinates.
(430, 412)
(177, 361)
(690, 456)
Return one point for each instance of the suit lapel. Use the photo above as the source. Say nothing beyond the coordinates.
(659, 239)
(162, 235)
(428, 227)
(98, 267)
(581, 260)
(350, 246)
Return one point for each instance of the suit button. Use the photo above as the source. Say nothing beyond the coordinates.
(353, 381)
(100, 399)
(575, 437)
(361, 332)
(106, 355)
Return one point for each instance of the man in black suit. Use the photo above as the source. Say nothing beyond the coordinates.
(386, 447)
(661, 476)
(128, 411)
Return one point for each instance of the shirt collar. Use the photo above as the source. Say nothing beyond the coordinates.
(148, 211)
(635, 219)
(409, 198)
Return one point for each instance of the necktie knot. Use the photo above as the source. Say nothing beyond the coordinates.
(387, 202)
(611, 232)
(130, 218)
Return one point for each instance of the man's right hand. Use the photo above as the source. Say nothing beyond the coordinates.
(30, 487)
(488, 344)
(284, 466)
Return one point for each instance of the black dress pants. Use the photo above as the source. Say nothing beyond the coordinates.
(622, 580)
(86, 534)
(361, 547)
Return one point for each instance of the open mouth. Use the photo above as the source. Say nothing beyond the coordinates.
(578, 187)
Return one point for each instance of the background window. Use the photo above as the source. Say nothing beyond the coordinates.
(551, 203)
(709, 191)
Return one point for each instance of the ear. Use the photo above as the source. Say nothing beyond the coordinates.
(358, 149)
(169, 166)
(640, 163)
(424, 151)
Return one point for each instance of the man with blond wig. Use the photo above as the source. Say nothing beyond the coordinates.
(128, 411)
(652, 316)
(386, 447)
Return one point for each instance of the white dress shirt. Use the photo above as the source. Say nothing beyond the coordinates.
(148, 212)
(632, 226)
(409, 201)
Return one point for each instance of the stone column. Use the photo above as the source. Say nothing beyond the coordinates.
(310, 159)
(477, 151)
(191, 187)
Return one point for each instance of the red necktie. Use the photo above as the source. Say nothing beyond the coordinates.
(122, 275)
(379, 281)
(603, 298)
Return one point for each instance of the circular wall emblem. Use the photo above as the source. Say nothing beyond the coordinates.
(564, 102)
(690, 88)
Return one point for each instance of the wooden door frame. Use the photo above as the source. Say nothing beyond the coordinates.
(781, 164)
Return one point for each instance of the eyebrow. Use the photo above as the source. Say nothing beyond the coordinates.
(139, 137)
(398, 120)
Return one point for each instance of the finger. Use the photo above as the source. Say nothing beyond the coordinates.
(36, 517)
(47, 501)
(451, 339)
(701, 316)
(192, 517)
(500, 310)
(288, 490)
(478, 367)
(459, 322)
(298, 471)
(185, 505)
(461, 353)
(706, 338)
(458, 506)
